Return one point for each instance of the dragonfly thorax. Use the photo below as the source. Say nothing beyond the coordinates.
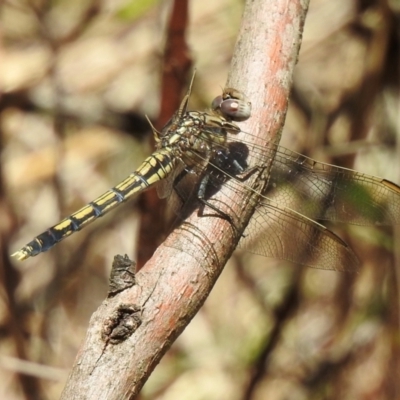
(193, 136)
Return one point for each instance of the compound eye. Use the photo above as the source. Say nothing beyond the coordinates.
(231, 93)
(237, 110)
(216, 103)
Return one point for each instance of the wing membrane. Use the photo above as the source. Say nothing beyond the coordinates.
(324, 191)
(299, 190)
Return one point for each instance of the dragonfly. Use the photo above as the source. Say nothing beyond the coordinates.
(204, 148)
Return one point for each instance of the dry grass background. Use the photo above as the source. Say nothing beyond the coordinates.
(77, 79)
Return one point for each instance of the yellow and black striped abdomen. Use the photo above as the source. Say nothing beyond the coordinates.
(155, 168)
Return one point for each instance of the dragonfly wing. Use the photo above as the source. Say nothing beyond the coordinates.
(281, 233)
(275, 230)
(328, 192)
(165, 186)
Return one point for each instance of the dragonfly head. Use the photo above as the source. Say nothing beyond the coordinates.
(232, 104)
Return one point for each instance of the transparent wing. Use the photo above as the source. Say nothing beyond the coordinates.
(323, 191)
(166, 186)
(280, 233)
(300, 190)
(333, 193)
(328, 192)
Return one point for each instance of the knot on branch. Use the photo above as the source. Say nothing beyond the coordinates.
(122, 323)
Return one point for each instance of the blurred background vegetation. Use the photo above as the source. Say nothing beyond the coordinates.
(77, 78)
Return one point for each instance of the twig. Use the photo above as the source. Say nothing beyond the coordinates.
(176, 65)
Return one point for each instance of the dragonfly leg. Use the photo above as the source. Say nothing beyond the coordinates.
(201, 197)
(245, 175)
(220, 213)
(183, 197)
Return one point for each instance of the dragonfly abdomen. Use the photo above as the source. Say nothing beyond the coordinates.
(155, 168)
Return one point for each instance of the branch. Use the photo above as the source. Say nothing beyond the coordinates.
(176, 65)
(174, 284)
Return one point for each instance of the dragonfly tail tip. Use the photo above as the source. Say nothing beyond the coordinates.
(20, 255)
